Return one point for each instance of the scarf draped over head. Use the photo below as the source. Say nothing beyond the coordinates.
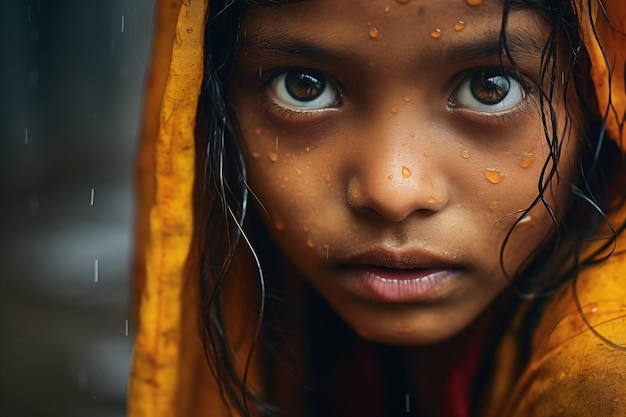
(169, 375)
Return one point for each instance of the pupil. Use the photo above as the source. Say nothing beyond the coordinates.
(303, 86)
(489, 88)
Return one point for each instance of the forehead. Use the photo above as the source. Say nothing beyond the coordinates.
(391, 28)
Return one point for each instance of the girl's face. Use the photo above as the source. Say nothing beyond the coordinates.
(391, 152)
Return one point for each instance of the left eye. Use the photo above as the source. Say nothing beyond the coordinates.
(489, 91)
(303, 89)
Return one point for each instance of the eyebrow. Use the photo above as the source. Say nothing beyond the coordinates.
(519, 43)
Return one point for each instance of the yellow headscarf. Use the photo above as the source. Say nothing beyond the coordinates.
(169, 375)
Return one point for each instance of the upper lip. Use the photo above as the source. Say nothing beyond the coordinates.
(401, 259)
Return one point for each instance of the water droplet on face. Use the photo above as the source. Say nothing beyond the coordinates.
(527, 160)
(272, 156)
(435, 34)
(412, 134)
(279, 225)
(390, 177)
(465, 154)
(493, 175)
(373, 33)
(493, 205)
(255, 155)
(354, 193)
(257, 131)
(431, 200)
(387, 8)
(394, 109)
(407, 99)
(305, 228)
(310, 243)
(526, 221)
(459, 26)
(426, 154)
(474, 2)
(298, 171)
(406, 172)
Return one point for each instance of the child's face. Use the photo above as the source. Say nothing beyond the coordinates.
(391, 154)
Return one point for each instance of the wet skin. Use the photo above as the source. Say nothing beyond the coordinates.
(391, 153)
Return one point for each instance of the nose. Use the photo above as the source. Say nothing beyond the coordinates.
(394, 178)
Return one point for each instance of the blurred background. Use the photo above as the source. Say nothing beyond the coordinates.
(71, 83)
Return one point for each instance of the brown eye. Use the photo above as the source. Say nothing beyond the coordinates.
(489, 90)
(304, 86)
(303, 89)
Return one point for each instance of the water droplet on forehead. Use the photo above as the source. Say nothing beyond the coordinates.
(387, 8)
(459, 26)
(474, 2)
(272, 156)
(305, 228)
(435, 34)
(426, 154)
(390, 177)
(412, 134)
(373, 33)
(493, 175)
(279, 225)
(406, 172)
(465, 154)
(527, 160)
(394, 109)
(310, 243)
(407, 99)
(255, 155)
(493, 205)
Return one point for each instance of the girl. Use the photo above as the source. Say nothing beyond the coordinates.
(400, 208)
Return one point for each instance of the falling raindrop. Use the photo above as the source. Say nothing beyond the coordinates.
(406, 172)
(435, 34)
(527, 160)
(459, 26)
(272, 156)
(126, 330)
(123, 19)
(493, 175)
(95, 271)
(326, 247)
(26, 136)
(93, 194)
(373, 33)
(465, 154)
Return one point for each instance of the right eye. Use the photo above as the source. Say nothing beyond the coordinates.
(303, 90)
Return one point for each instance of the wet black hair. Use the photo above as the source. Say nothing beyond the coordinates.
(223, 196)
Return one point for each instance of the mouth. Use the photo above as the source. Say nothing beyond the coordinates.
(394, 277)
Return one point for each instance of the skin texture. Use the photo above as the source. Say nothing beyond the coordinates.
(402, 169)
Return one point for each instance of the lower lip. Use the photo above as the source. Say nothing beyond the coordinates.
(399, 285)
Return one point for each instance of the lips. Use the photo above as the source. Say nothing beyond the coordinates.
(399, 277)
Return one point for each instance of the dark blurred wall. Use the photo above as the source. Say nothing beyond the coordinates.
(71, 82)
